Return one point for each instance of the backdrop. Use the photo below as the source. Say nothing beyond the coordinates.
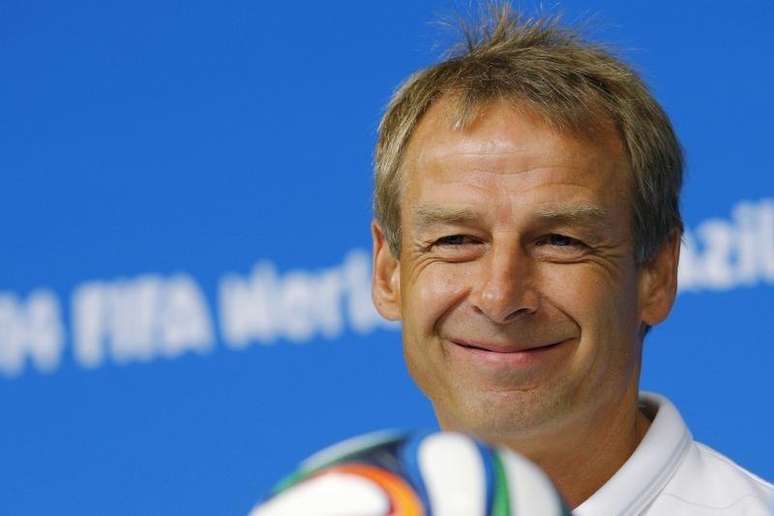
(184, 297)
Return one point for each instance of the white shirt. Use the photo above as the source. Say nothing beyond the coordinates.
(670, 474)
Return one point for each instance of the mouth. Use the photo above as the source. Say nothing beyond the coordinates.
(511, 356)
(504, 348)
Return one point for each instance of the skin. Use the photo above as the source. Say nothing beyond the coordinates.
(521, 303)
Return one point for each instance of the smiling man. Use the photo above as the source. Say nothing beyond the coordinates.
(527, 236)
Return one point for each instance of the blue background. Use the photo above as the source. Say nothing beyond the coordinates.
(201, 137)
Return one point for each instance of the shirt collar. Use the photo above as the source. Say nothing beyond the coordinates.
(637, 483)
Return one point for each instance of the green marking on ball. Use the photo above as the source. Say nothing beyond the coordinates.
(289, 481)
(501, 505)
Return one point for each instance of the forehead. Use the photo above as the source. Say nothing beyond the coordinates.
(509, 148)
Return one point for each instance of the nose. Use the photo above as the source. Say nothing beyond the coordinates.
(506, 288)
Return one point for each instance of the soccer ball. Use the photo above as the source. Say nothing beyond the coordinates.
(395, 473)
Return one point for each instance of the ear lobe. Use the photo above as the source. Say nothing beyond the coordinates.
(658, 282)
(385, 276)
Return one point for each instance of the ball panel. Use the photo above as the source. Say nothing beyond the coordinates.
(530, 489)
(487, 458)
(330, 493)
(403, 500)
(409, 458)
(351, 447)
(368, 447)
(454, 475)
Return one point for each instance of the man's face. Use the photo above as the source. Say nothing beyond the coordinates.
(516, 284)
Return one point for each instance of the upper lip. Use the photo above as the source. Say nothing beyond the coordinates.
(498, 347)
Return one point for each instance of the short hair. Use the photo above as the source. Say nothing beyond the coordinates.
(574, 85)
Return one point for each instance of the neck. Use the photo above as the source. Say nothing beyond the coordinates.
(579, 461)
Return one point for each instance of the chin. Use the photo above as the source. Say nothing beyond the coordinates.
(498, 416)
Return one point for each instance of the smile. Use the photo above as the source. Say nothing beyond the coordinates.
(507, 356)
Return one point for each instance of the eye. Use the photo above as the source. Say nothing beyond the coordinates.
(454, 240)
(557, 240)
(456, 248)
(560, 248)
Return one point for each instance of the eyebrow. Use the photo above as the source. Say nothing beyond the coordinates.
(580, 214)
(427, 216)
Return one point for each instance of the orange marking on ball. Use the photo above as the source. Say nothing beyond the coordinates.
(403, 499)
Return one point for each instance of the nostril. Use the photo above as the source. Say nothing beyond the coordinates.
(518, 313)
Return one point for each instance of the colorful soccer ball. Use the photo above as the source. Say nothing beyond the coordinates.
(414, 474)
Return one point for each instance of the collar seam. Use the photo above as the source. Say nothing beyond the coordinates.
(650, 492)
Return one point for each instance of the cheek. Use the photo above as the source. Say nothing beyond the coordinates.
(603, 304)
(431, 292)
(605, 310)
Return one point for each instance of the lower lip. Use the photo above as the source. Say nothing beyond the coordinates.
(515, 359)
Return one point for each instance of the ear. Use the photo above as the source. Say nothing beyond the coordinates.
(658, 282)
(385, 276)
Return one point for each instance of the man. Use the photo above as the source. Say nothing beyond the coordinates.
(527, 234)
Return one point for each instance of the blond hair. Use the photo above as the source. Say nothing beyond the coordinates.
(574, 85)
